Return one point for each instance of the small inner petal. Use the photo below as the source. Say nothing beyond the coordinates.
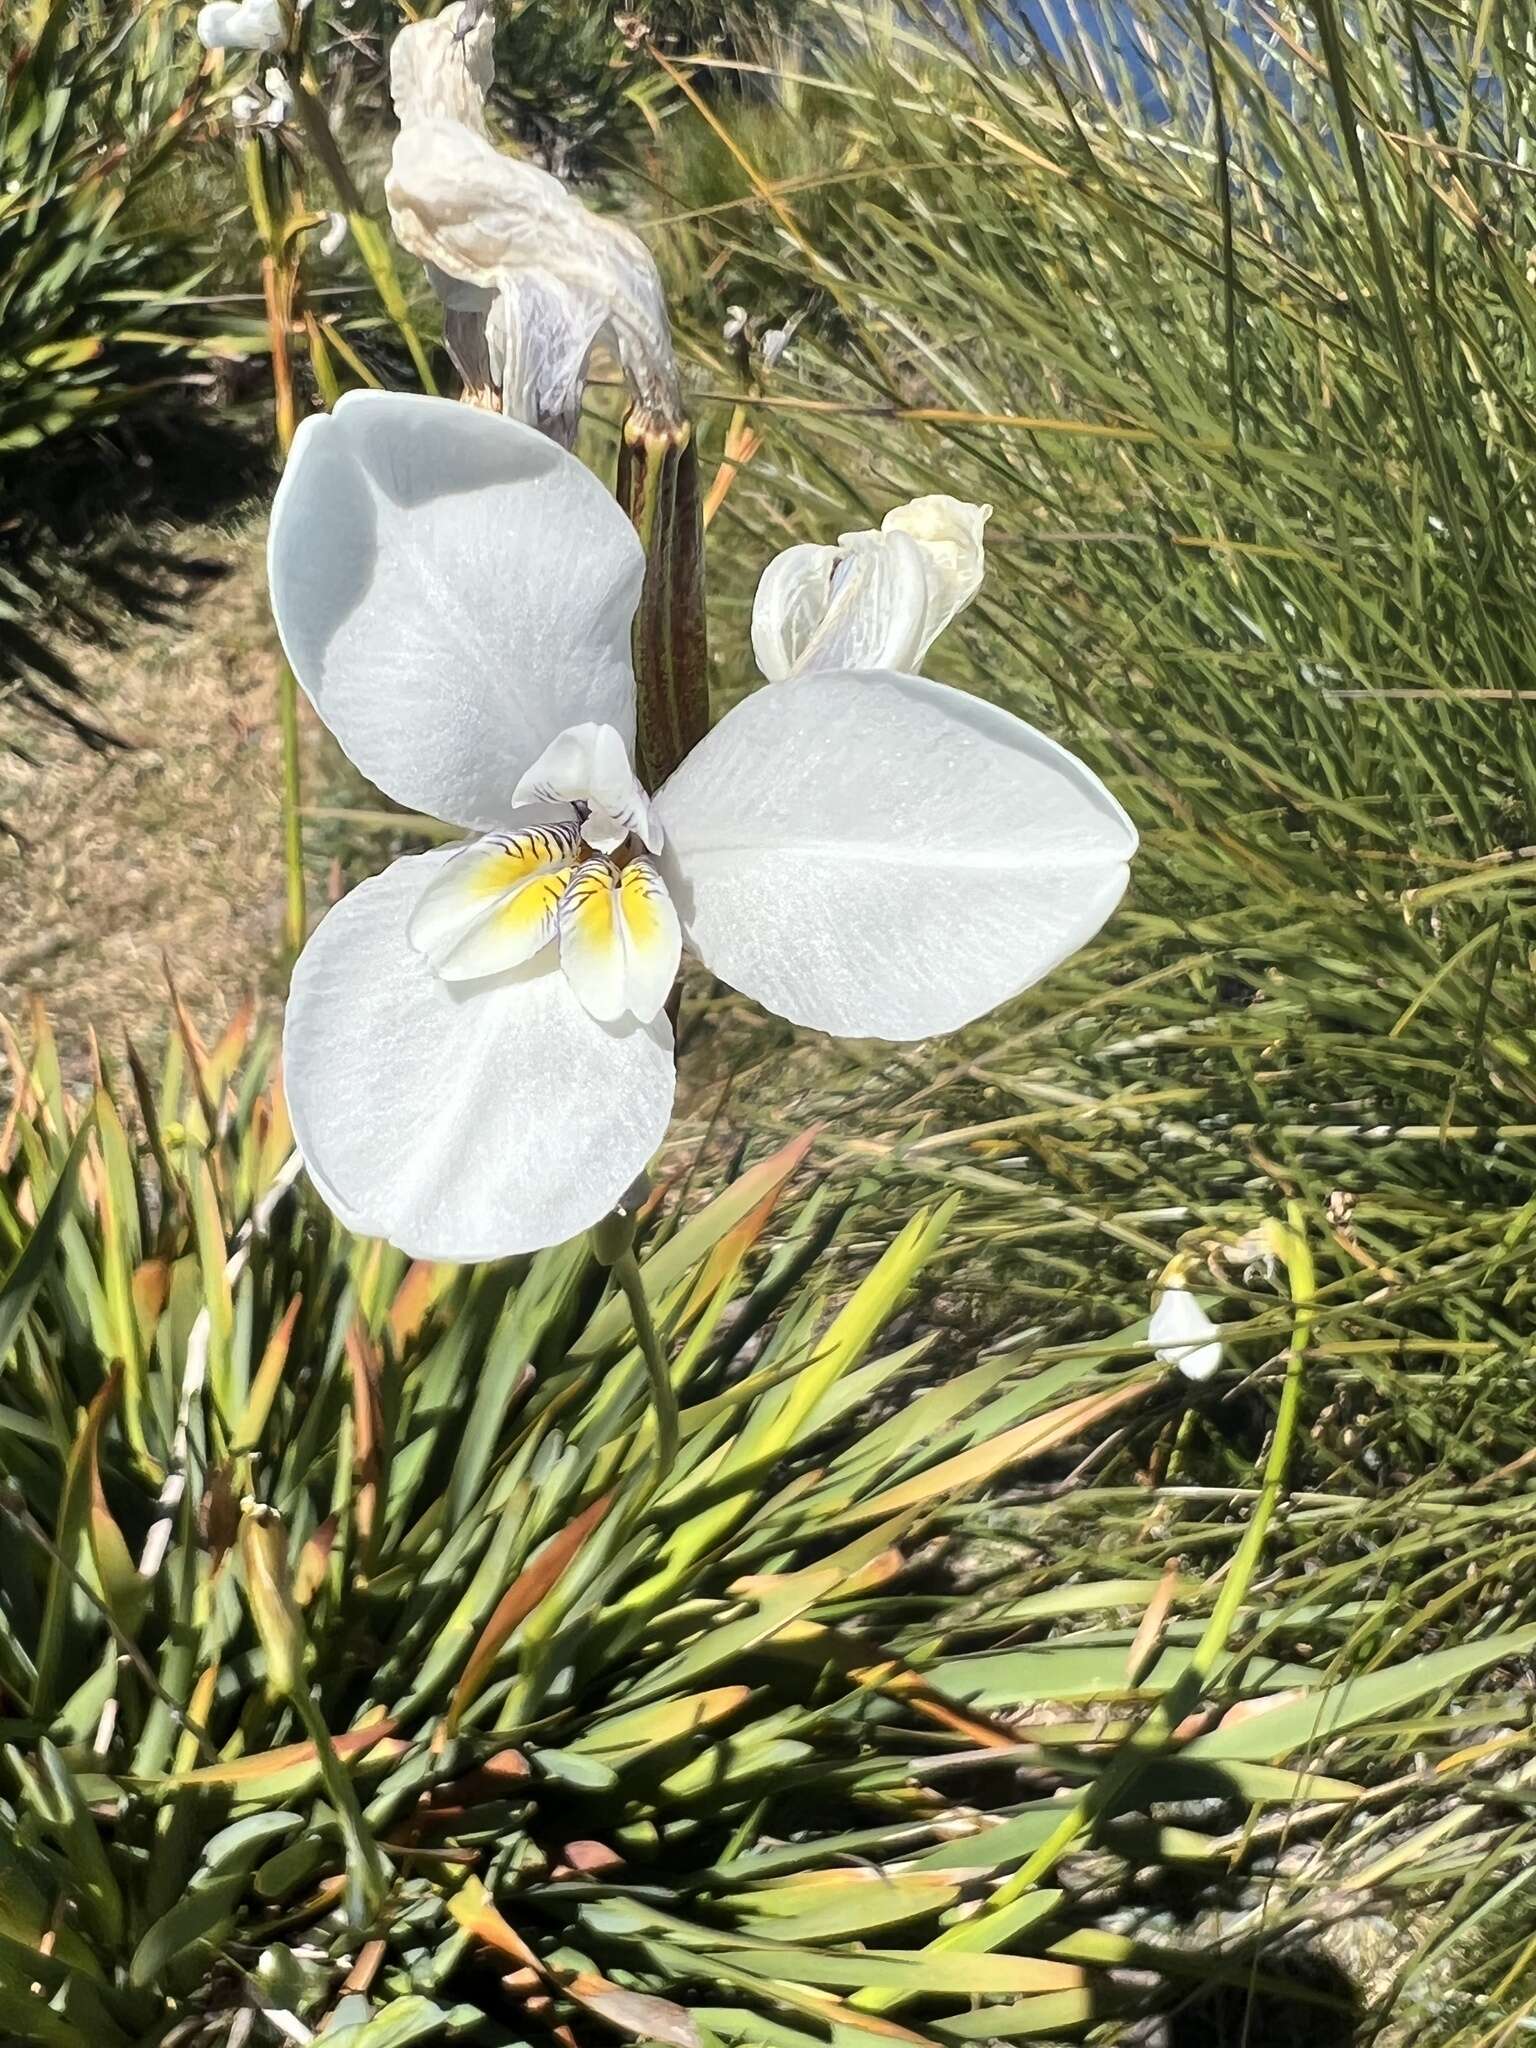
(495, 905)
(620, 944)
(589, 765)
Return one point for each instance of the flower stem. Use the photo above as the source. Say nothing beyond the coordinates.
(658, 486)
(293, 827)
(279, 274)
(1105, 1792)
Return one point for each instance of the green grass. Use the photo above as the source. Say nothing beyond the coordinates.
(1252, 390)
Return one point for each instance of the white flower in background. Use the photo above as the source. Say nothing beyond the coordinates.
(269, 108)
(333, 236)
(1181, 1333)
(477, 1054)
(876, 600)
(241, 25)
(530, 279)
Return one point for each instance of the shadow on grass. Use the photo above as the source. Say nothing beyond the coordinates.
(90, 539)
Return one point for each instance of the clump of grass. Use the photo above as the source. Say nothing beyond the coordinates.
(361, 1669)
(1229, 315)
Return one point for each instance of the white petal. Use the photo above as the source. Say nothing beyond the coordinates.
(539, 340)
(452, 590)
(457, 202)
(881, 856)
(860, 605)
(494, 905)
(949, 531)
(589, 764)
(620, 944)
(438, 71)
(1182, 1334)
(250, 25)
(460, 1121)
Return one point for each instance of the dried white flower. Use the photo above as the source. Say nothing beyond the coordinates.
(241, 25)
(530, 279)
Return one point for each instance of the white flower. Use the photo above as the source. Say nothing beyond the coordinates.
(269, 108)
(1182, 1334)
(477, 1056)
(530, 280)
(876, 600)
(241, 25)
(334, 235)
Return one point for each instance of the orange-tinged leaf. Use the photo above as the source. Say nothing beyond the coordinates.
(532, 1584)
(151, 1291)
(309, 1570)
(258, 1402)
(125, 1592)
(728, 1255)
(983, 1461)
(297, 1756)
(634, 2012)
(225, 1057)
(367, 1432)
(422, 1286)
(475, 1911)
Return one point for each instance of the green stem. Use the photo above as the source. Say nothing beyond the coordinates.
(626, 1270)
(371, 243)
(991, 1926)
(658, 486)
(367, 1871)
(293, 826)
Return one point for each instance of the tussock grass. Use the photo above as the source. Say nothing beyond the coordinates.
(1230, 318)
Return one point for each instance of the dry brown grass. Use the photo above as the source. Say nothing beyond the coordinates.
(165, 850)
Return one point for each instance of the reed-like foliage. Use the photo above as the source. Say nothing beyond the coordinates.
(1229, 314)
(360, 1668)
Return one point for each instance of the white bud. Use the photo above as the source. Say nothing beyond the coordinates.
(241, 25)
(1182, 1334)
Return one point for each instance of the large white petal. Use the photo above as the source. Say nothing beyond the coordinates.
(460, 1120)
(881, 856)
(452, 590)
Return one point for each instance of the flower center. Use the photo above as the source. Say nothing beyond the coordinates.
(578, 892)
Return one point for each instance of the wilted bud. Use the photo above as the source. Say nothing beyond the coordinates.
(530, 278)
(876, 600)
(735, 323)
(334, 235)
(269, 1595)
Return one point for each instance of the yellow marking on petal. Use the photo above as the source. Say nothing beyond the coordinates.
(514, 857)
(653, 942)
(619, 940)
(641, 894)
(530, 909)
(494, 905)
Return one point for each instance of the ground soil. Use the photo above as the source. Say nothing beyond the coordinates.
(162, 852)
